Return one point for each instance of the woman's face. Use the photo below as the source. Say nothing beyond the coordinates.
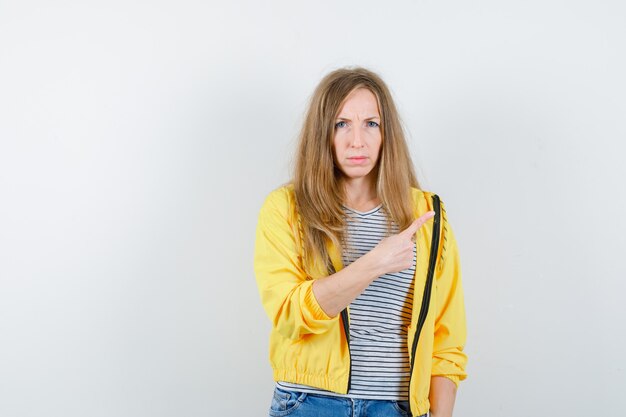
(358, 137)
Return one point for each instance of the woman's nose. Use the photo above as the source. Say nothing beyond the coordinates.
(356, 138)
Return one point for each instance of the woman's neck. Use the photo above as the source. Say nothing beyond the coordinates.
(360, 194)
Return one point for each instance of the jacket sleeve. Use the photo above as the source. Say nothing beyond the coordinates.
(286, 293)
(449, 360)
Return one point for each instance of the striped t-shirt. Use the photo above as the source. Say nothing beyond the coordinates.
(379, 317)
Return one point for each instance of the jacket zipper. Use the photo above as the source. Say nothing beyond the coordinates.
(346, 329)
(432, 261)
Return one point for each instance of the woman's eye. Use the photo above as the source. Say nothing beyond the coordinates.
(372, 124)
(341, 124)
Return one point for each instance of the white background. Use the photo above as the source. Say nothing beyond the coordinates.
(139, 138)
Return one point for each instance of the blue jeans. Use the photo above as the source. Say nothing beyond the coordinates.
(302, 404)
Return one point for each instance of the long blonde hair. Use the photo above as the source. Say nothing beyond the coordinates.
(318, 193)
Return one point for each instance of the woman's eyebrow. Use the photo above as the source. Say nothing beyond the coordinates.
(367, 118)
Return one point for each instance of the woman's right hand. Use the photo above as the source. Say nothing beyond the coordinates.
(395, 253)
(392, 254)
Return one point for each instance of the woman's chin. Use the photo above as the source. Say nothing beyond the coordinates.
(355, 174)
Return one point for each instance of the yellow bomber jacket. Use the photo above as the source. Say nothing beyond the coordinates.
(309, 347)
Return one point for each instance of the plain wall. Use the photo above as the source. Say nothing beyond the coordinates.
(138, 140)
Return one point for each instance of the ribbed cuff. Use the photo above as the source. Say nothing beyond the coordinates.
(314, 305)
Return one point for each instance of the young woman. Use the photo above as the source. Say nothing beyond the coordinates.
(358, 268)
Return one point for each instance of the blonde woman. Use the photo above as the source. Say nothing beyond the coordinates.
(358, 268)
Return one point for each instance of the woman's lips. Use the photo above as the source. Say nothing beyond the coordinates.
(358, 159)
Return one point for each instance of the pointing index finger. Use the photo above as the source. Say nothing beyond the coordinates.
(417, 223)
